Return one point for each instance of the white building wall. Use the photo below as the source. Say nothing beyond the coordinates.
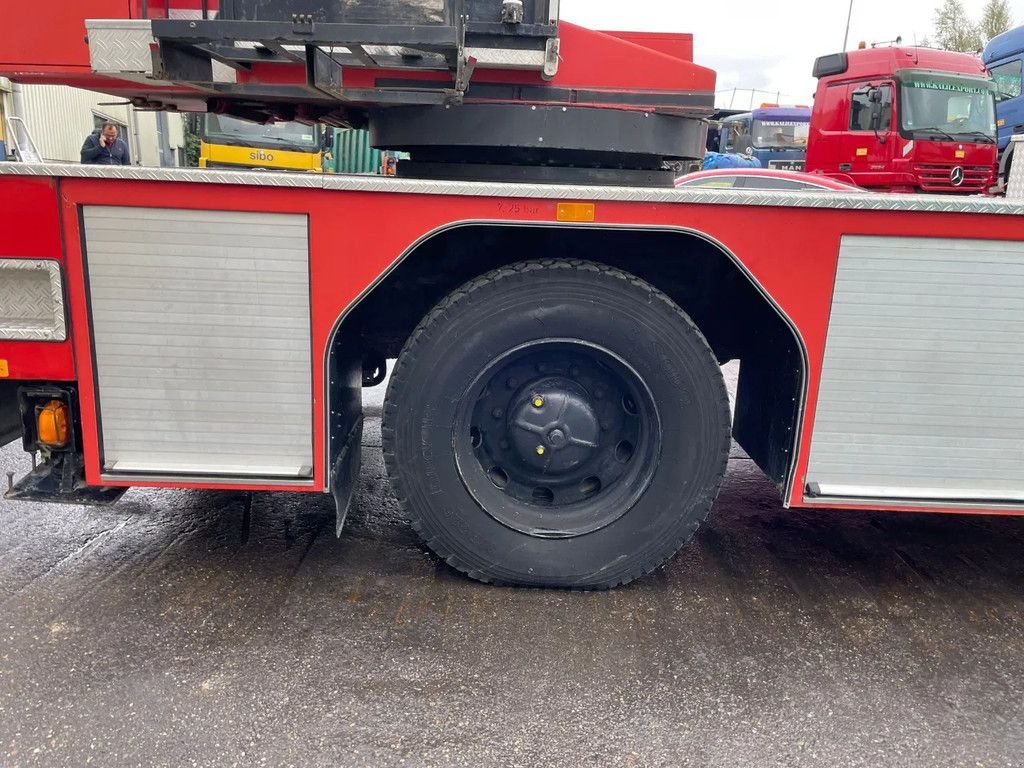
(59, 118)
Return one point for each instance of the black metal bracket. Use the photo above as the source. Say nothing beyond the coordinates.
(33, 397)
(325, 74)
(375, 369)
(315, 33)
(61, 480)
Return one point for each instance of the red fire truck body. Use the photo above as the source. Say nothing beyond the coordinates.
(356, 240)
(557, 414)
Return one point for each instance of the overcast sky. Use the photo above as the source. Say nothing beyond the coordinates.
(769, 46)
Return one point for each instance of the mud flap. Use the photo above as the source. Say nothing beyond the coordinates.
(345, 474)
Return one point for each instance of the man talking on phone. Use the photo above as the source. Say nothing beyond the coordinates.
(104, 148)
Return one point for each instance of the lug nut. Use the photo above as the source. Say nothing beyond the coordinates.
(538, 401)
(541, 450)
(497, 413)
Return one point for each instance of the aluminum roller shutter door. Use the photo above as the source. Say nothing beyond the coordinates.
(201, 330)
(922, 391)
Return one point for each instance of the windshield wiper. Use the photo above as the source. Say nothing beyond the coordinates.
(947, 134)
(983, 137)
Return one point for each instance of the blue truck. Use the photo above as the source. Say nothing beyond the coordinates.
(1002, 57)
(777, 136)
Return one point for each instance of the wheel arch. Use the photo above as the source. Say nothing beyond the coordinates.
(735, 312)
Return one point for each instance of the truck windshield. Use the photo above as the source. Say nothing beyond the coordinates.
(221, 129)
(948, 107)
(780, 134)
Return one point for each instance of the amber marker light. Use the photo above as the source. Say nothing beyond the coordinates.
(52, 424)
(576, 212)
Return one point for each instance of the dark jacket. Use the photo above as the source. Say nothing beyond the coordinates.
(115, 154)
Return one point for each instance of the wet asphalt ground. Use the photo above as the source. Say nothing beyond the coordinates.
(177, 629)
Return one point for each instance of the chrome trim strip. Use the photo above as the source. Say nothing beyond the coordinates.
(820, 200)
(139, 173)
(805, 362)
(937, 495)
(139, 480)
(885, 505)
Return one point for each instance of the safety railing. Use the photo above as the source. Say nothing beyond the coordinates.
(25, 149)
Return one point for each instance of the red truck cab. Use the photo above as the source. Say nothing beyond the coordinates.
(904, 119)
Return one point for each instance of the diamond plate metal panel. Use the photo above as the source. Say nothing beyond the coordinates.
(31, 300)
(190, 175)
(508, 58)
(820, 200)
(120, 46)
(1015, 184)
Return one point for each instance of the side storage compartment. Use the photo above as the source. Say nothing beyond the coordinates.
(201, 332)
(921, 388)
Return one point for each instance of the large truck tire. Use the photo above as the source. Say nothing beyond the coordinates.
(558, 424)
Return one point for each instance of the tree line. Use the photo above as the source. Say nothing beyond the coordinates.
(955, 30)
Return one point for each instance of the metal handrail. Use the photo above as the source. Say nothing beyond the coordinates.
(32, 154)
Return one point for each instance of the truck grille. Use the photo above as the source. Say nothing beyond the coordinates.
(935, 178)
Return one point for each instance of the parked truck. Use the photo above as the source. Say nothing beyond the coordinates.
(233, 143)
(559, 312)
(776, 136)
(1003, 56)
(902, 119)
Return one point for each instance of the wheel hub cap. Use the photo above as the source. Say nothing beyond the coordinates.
(554, 426)
(557, 438)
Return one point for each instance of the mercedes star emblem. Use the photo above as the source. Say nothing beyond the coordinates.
(956, 176)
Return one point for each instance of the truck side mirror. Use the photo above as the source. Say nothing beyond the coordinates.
(876, 117)
(875, 99)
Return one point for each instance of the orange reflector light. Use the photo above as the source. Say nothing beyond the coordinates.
(52, 424)
(862, 151)
(5, 371)
(576, 212)
(960, 154)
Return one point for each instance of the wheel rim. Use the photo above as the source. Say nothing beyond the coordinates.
(557, 438)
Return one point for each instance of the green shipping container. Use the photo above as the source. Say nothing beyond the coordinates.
(353, 153)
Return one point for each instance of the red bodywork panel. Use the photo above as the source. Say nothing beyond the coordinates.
(797, 271)
(33, 231)
(55, 42)
(679, 46)
(897, 162)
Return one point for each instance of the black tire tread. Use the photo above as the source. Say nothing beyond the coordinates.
(701, 510)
